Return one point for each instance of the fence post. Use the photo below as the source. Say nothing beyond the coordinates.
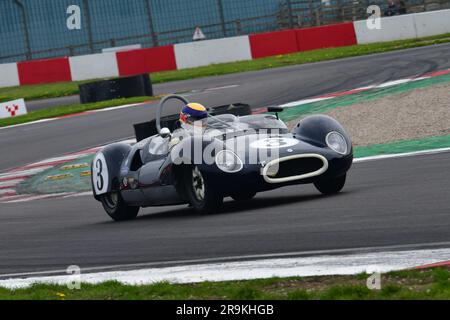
(291, 17)
(89, 24)
(222, 17)
(148, 9)
(311, 13)
(238, 27)
(23, 16)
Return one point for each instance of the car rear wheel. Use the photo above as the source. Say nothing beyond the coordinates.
(116, 207)
(243, 196)
(201, 195)
(331, 186)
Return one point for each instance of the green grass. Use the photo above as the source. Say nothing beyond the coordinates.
(33, 92)
(411, 284)
(71, 109)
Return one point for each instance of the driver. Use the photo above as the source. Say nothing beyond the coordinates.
(191, 116)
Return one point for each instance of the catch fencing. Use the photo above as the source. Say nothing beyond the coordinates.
(31, 29)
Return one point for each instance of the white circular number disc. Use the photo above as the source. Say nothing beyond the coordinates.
(274, 143)
(100, 175)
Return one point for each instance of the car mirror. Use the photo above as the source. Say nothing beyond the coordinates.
(276, 109)
(165, 133)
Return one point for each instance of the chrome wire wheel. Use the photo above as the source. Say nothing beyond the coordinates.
(198, 184)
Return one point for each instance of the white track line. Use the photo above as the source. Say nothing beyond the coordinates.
(10, 183)
(257, 269)
(25, 198)
(7, 191)
(402, 155)
(28, 123)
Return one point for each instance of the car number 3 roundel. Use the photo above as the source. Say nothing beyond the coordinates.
(100, 175)
(274, 143)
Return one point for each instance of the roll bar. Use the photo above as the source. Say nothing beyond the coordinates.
(161, 106)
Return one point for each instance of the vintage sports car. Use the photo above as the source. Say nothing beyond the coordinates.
(229, 153)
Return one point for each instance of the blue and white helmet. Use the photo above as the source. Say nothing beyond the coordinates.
(191, 113)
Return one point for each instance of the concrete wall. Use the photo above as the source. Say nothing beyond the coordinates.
(9, 75)
(405, 27)
(432, 23)
(203, 53)
(392, 28)
(93, 66)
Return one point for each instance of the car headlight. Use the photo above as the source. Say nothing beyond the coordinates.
(337, 142)
(228, 161)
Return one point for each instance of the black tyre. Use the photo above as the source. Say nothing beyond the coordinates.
(202, 197)
(243, 196)
(331, 186)
(116, 207)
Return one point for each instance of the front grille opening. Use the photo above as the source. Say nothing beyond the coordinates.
(294, 167)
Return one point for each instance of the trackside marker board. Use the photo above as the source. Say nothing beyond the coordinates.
(13, 109)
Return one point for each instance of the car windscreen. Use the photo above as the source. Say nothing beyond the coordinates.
(262, 121)
(228, 122)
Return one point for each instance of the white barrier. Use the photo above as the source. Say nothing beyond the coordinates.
(404, 27)
(203, 53)
(392, 28)
(94, 66)
(432, 23)
(13, 109)
(9, 75)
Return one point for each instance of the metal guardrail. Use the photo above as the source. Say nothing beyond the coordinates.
(287, 14)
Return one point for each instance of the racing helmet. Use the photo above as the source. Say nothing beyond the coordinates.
(191, 113)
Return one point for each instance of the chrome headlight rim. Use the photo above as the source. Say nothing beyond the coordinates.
(239, 164)
(341, 136)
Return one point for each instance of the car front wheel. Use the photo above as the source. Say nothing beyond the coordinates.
(116, 207)
(201, 195)
(331, 186)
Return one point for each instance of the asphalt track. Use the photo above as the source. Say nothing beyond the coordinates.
(386, 202)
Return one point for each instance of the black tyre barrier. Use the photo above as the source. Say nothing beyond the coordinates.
(136, 86)
(148, 129)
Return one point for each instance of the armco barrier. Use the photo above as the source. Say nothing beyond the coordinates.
(140, 61)
(44, 71)
(273, 43)
(432, 23)
(337, 35)
(94, 66)
(203, 53)
(392, 28)
(9, 75)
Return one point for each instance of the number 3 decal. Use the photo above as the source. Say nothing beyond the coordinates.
(100, 175)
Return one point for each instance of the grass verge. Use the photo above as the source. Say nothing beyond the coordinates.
(66, 110)
(54, 90)
(411, 284)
